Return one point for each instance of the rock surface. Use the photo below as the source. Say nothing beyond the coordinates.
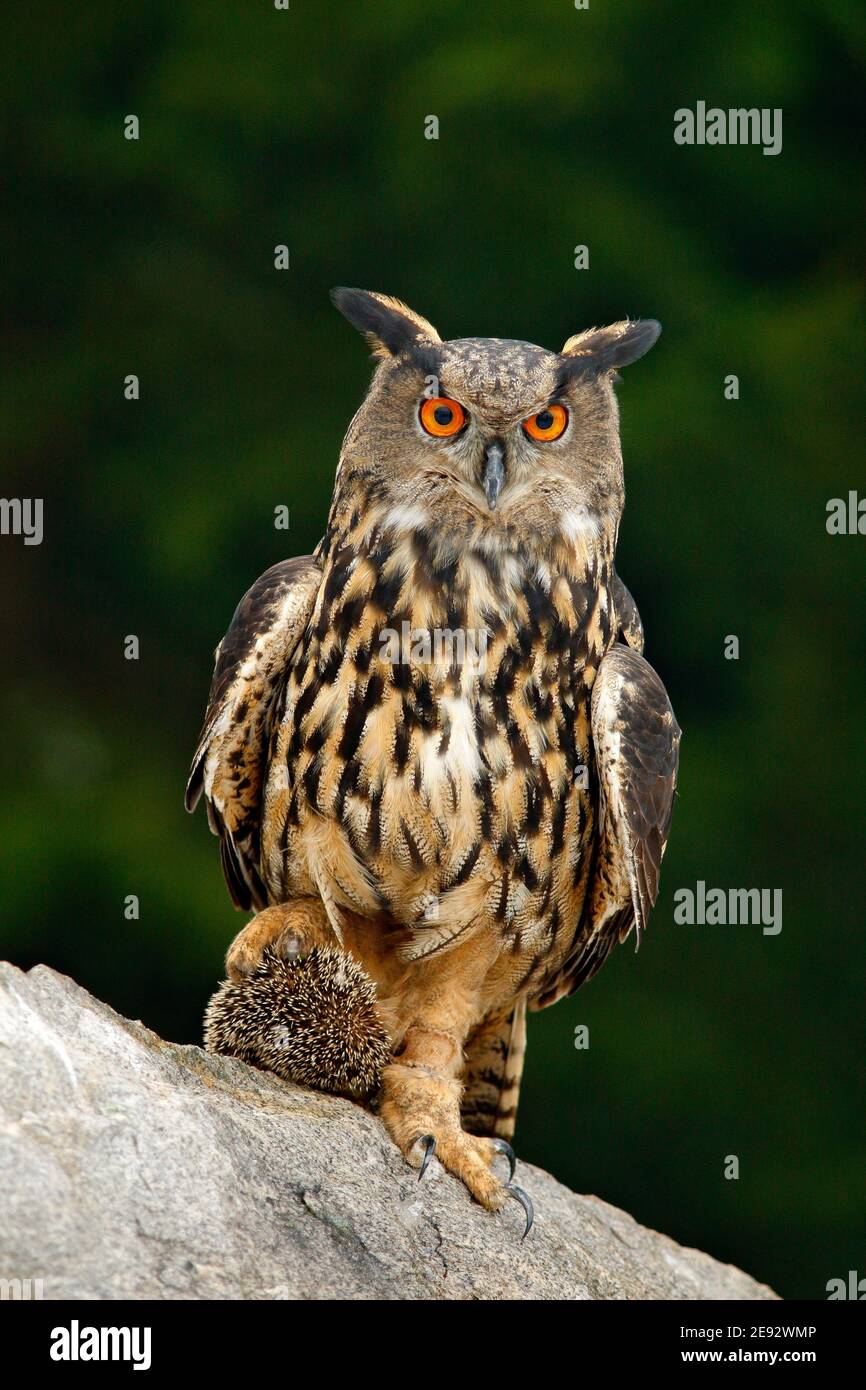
(136, 1168)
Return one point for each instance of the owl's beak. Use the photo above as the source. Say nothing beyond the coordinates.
(494, 473)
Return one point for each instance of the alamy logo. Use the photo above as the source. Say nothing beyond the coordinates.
(22, 516)
(854, 1288)
(846, 517)
(729, 907)
(77, 1343)
(443, 645)
(20, 1290)
(736, 126)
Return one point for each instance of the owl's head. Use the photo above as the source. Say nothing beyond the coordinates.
(489, 437)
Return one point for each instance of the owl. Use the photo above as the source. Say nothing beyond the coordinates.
(434, 743)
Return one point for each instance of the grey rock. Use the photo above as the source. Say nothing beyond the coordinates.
(137, 1168)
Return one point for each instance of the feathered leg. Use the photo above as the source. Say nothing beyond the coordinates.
(431, 1018)
(492, 1070)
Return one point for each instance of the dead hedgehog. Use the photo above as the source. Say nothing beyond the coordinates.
(313, 1021)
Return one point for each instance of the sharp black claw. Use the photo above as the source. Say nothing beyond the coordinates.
(525, 1201)
(429, 1149)
(503, 1147)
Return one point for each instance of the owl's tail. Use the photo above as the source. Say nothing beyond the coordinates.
(494, 1055)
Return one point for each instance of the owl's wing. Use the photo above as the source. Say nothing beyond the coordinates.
(636, 740)
(230, 763)
(628, 620)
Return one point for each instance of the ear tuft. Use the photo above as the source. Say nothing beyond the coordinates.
(389, 326)
(605, 349)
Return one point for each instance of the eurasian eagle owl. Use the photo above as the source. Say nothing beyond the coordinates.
(434, 742)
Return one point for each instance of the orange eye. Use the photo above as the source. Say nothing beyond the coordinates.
(442, 417)
(548, 424)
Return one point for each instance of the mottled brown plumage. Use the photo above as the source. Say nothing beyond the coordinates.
(477, 828)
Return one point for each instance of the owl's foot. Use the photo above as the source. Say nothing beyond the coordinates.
(422, 1114)
(290, 930)
(427, 1144)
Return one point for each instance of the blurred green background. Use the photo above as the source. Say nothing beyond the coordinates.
(306, 127)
